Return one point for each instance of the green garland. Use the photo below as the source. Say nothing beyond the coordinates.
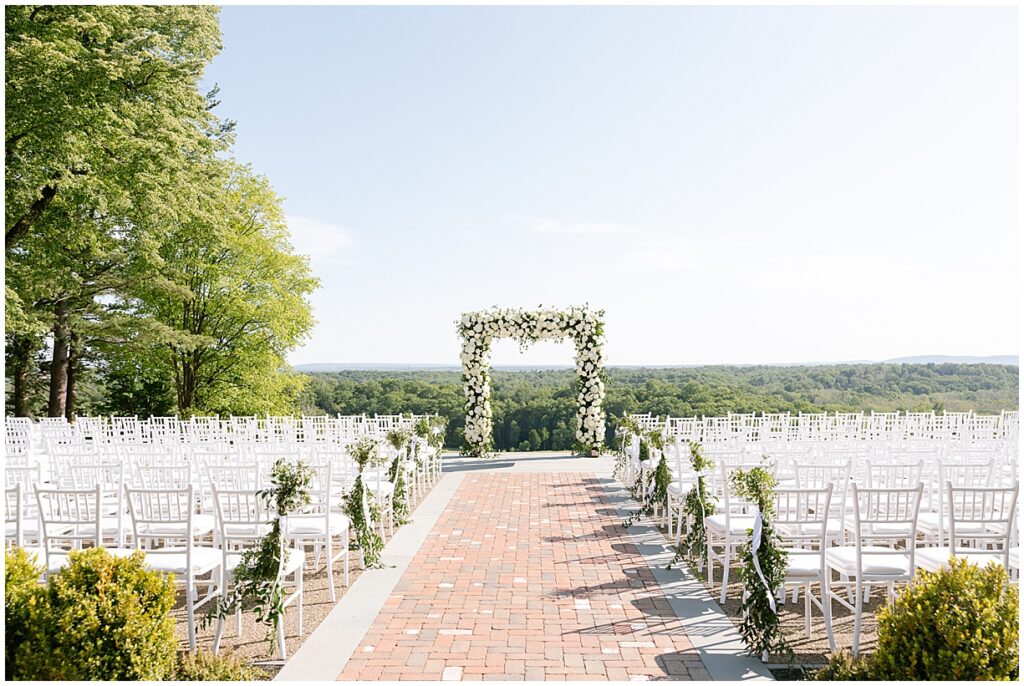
(761, 626)
(399, 440)
(356, 505)
(696, 506)
(629, 428)
(662, 478)
(257, 583)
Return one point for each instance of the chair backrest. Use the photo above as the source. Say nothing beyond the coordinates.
(882, 515)
(162, 476)
(156, 512)
(235, 477)
(801, 518)
(71, 515)
(243, 516)
(895, 475)
(983, 516)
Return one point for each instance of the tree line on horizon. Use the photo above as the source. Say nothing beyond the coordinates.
(146, 267)
(535, 409)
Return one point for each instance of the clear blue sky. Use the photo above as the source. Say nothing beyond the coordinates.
(732, 185)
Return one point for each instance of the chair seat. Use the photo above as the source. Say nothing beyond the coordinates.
(938, 557)
(803, 563)
(175, 559)
(385, 489)
(202, 524)
(680, 490)
(874, 562)
(294, 559)
(649, 464)
(739, 524)
(313, 525)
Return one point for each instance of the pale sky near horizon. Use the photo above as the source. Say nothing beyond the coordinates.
(731, 185)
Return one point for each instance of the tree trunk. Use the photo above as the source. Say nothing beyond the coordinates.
(74, 362)
(21, 362)
(59, 364)
(25, 222)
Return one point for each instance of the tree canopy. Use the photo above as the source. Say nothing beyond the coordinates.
(138, 251)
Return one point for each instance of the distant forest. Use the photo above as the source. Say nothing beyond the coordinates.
(535, 409)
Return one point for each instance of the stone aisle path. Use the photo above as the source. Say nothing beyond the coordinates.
(527, 576)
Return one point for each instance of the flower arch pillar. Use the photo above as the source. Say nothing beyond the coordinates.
(478, 330)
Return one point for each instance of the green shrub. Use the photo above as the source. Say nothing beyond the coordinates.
(204, 666)
(960, 623)
(957, 624)
(102, 617)
(24, 601)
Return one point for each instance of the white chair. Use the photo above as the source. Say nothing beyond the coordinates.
(27, 478)
(243, 519)
(932, 522)
(320, 524)
(164, 515)
(802, 521)
(729, 527)
(880, 515)
(110, 478)
(982, 516)
(68, 519)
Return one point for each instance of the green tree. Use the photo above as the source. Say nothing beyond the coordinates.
(230, 301)
(104, 121)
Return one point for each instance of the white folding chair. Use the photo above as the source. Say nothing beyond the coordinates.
(880, 515)
(984, 518)
(167, 515)
(320, 523)
(802, 521)
(243, 518)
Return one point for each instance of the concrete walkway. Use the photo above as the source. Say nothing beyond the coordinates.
(519, 568)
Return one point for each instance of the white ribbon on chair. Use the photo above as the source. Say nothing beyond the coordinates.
(755, 544)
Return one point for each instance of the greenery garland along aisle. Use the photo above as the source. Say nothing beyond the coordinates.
(362, 509)
(257, 577)
(657, 491)
(697, 505)
(763, 570)
(399, 440)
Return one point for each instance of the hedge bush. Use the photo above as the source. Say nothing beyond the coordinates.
(960, 623)
(102, 617)
(24, 602)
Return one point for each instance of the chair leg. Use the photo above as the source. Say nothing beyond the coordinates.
(217, 635)
(725, 571)
(298, 578)
(711, 563)
(855, 649)
(807, 610)
(345, 542)
(330, 567)
(826, 609)
(282, 652)
(190, 608)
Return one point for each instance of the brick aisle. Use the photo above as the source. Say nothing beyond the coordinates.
(526, 576)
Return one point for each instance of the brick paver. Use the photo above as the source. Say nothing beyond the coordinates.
(527, 576)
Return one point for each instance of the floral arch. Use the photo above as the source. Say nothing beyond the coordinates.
(584, 326)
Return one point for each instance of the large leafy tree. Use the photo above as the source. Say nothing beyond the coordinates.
(104, 121)
(230, 300)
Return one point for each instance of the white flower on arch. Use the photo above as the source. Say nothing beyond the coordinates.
(584, 326)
